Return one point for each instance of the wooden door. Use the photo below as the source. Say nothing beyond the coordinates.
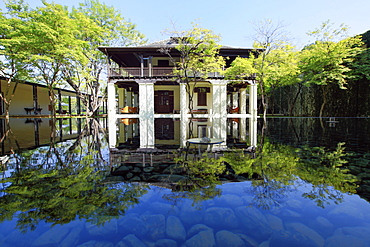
(163, 101)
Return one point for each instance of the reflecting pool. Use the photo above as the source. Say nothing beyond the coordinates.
(307, 184)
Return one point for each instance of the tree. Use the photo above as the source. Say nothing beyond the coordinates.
(274, 64)
(272, 38)
(241, 68)
(49, 42)
(361, 63)
(199, 57)
(326, 62)
(12, 64)
(99, 25)
(199, 49)
(58, 46)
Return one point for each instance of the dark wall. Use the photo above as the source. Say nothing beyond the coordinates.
(351, 102)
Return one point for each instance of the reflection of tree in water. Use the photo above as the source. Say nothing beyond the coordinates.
(275, 172)
(90, 140)
(72, 185)
(278, 169)
(199, 181)
(66, 180)
(326, 172)
(7, 134)
(268, 194)
(196, 194)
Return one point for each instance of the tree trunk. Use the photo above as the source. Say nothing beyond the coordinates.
(292, 104)
(324, 100)
(264, 101)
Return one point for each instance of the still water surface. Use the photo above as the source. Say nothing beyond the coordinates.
(307, 185)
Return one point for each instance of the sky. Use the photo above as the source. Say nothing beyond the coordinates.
(233, 19)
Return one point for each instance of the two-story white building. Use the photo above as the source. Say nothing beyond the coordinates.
(144, 96)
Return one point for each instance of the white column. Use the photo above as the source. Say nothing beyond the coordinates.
(150, 66)
(243, 101)
(112, 118)
(219, 117)
(253, 132)
(183, 115)
(141, 65)
(146, 113)
(235, 99)
(243, 129)
(253, 100)
(219, 97)
(253, 112)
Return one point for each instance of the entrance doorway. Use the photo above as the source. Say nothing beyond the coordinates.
(164, 129)
(163, 101)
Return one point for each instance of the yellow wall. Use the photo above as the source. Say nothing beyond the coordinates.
(43, 100)
(23, 98)
(195, 97)
(155, 60)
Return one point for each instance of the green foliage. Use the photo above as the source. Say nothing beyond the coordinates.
(204, 171)
(325, 61)
(55, 46)
(275, 162)
(241, 68)
(366, 38)
(278, 68)
(199, 57)
(200, 179)
(13, 63)
(116, 30)
(276, 64)
(198, 48)
(361, 63)
(61, 195)
(63, 182)
(47, 41)
(278, 166)
(281, 67)
(326, 32)
(99, 25)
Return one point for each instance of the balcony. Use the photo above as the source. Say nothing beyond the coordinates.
(155, 72)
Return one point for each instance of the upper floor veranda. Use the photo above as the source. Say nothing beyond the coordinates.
(149, 61)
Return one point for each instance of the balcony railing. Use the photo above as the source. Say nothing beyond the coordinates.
(138, 72)
(130, 72)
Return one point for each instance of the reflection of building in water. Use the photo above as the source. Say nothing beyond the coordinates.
(29, 133)
(151, 107)
(169, 132)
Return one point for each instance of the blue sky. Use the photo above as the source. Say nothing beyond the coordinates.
(233, 19)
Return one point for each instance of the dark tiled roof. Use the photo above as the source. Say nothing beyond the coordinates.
(162, 43)
(173, 41)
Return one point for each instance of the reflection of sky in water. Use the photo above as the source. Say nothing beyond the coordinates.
(240, 214)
